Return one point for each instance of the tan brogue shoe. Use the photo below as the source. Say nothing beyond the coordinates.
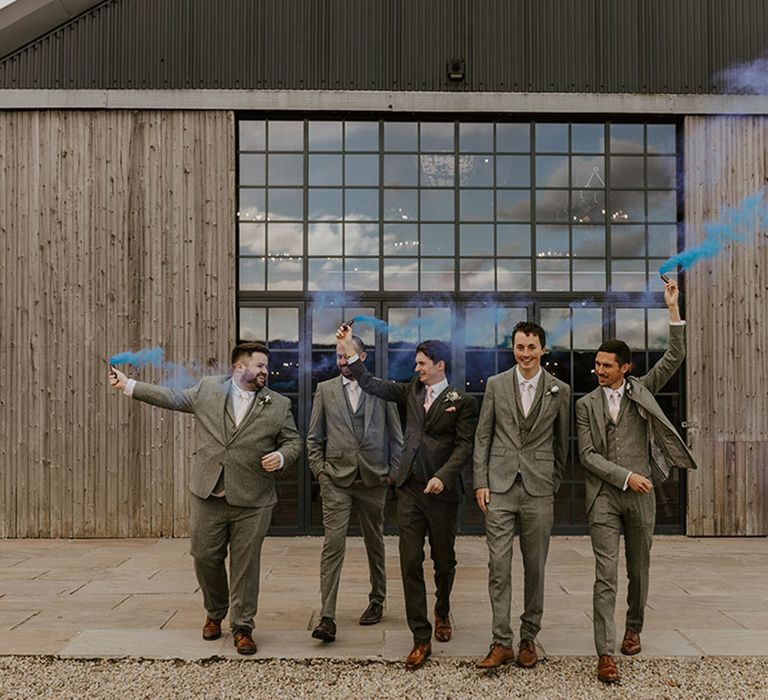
(498, 655)
(443, 629)
(211, 629)
(418, 656)
(526, 654)
(631, 644)
(606, 670)
(244, 642)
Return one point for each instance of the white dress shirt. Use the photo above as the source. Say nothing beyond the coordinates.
(353, 392)
(436, 390)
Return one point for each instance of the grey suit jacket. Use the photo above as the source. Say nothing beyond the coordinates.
(333, 447)
(268, 426)
(666, 449)
(500, 450)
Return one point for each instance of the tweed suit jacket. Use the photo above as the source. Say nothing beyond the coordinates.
(501, 449)
(664, 448)
(442, 439)
(334, 448)
(268, 426)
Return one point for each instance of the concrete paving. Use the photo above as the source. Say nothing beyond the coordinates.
(139, 598)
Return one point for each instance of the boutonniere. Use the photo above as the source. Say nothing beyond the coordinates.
(553, 391)
(264, 400)
(452, 397)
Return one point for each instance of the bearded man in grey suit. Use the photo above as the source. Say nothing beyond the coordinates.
(521, 449)
(626, 444)
(354, 444)
(245, 435)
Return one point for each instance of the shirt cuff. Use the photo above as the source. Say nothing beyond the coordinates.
(353, 358)
(626, 481)
(282, 460)
(129, 387)
(677, 323)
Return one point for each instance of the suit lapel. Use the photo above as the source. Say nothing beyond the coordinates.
(437, 406)
(545, 384)
(599, 412)
(511, 393)
(341, 402)
(228, 408)
(368, 410)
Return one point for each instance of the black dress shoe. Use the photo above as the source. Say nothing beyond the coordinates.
(372, 614)
(325, 630)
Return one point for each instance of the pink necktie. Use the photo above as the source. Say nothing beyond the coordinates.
(429, 399)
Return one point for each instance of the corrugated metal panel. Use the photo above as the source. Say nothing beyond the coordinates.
(636, 46)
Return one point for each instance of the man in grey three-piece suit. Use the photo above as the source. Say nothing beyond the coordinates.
(245, 435)
(521, 449)
(626, 444)
(354, 444)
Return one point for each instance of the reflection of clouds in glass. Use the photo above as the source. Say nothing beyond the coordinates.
(658, 329)
(412, 325)
(513, 275)
(552, 205)
(285, 239)
(552, 171)
(324, 239)
(283, 325)
(325, 274)
(361, 239)
(513, 205)
(401, 239)
(587, 326)
(251, 205)
(284, 273)
(401, 275)
(253, 324)
(437, 274)
(557, 324)
(476, 171)
(251, 239)
(325, 136)
(361, 205)
(630, 327)
(476, 275)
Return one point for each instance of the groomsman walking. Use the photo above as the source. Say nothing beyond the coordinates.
(354, 444)
(626, 445)
(439, 432)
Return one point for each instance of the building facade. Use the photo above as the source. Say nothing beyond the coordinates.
(186, 174)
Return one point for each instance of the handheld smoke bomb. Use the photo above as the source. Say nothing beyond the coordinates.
(664, 279)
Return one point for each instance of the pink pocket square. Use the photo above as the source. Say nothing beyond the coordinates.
(451, 409)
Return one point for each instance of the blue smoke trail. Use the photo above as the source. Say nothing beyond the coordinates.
(749, 78)
(174, 376)
(377, 323)
(735, 224)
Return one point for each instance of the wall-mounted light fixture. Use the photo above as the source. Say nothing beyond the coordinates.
(456, 69)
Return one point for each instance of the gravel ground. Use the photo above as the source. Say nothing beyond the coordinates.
(47, 677)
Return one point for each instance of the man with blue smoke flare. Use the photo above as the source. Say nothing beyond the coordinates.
(439, 433)
(245, 436)
(354, 444)
(626, 445)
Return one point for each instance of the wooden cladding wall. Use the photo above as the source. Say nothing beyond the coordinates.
(116, 233)
(726, 162)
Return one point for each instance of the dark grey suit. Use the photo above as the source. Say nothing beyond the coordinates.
(229, 457)
(351, 453)
(436, 444)
(521, 460)
(643, 441)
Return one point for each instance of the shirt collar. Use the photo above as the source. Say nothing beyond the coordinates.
(439, 388)
(243, 394)
(533, 381)
(608, 391)
(345, 381)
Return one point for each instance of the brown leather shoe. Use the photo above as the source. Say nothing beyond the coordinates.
(418, 656)
(325, 630)
(631, 644)
(606, 670)
(372, 614)
(244, 642)
(498, 655)
(526, 654)
(443, 629)
(211, 629)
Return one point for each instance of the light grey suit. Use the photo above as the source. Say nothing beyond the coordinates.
(351, 453)
(643, 441)
(228, 457)
(521, 459)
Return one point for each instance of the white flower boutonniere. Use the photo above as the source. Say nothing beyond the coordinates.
(264, 400)
(452, 397)
(554, 391)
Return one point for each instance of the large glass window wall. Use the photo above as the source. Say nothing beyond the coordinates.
(455, 230)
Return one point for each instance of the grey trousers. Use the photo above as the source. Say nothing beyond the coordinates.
(636, 513)
(534, 516)
(338, 502)
(215, 526)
